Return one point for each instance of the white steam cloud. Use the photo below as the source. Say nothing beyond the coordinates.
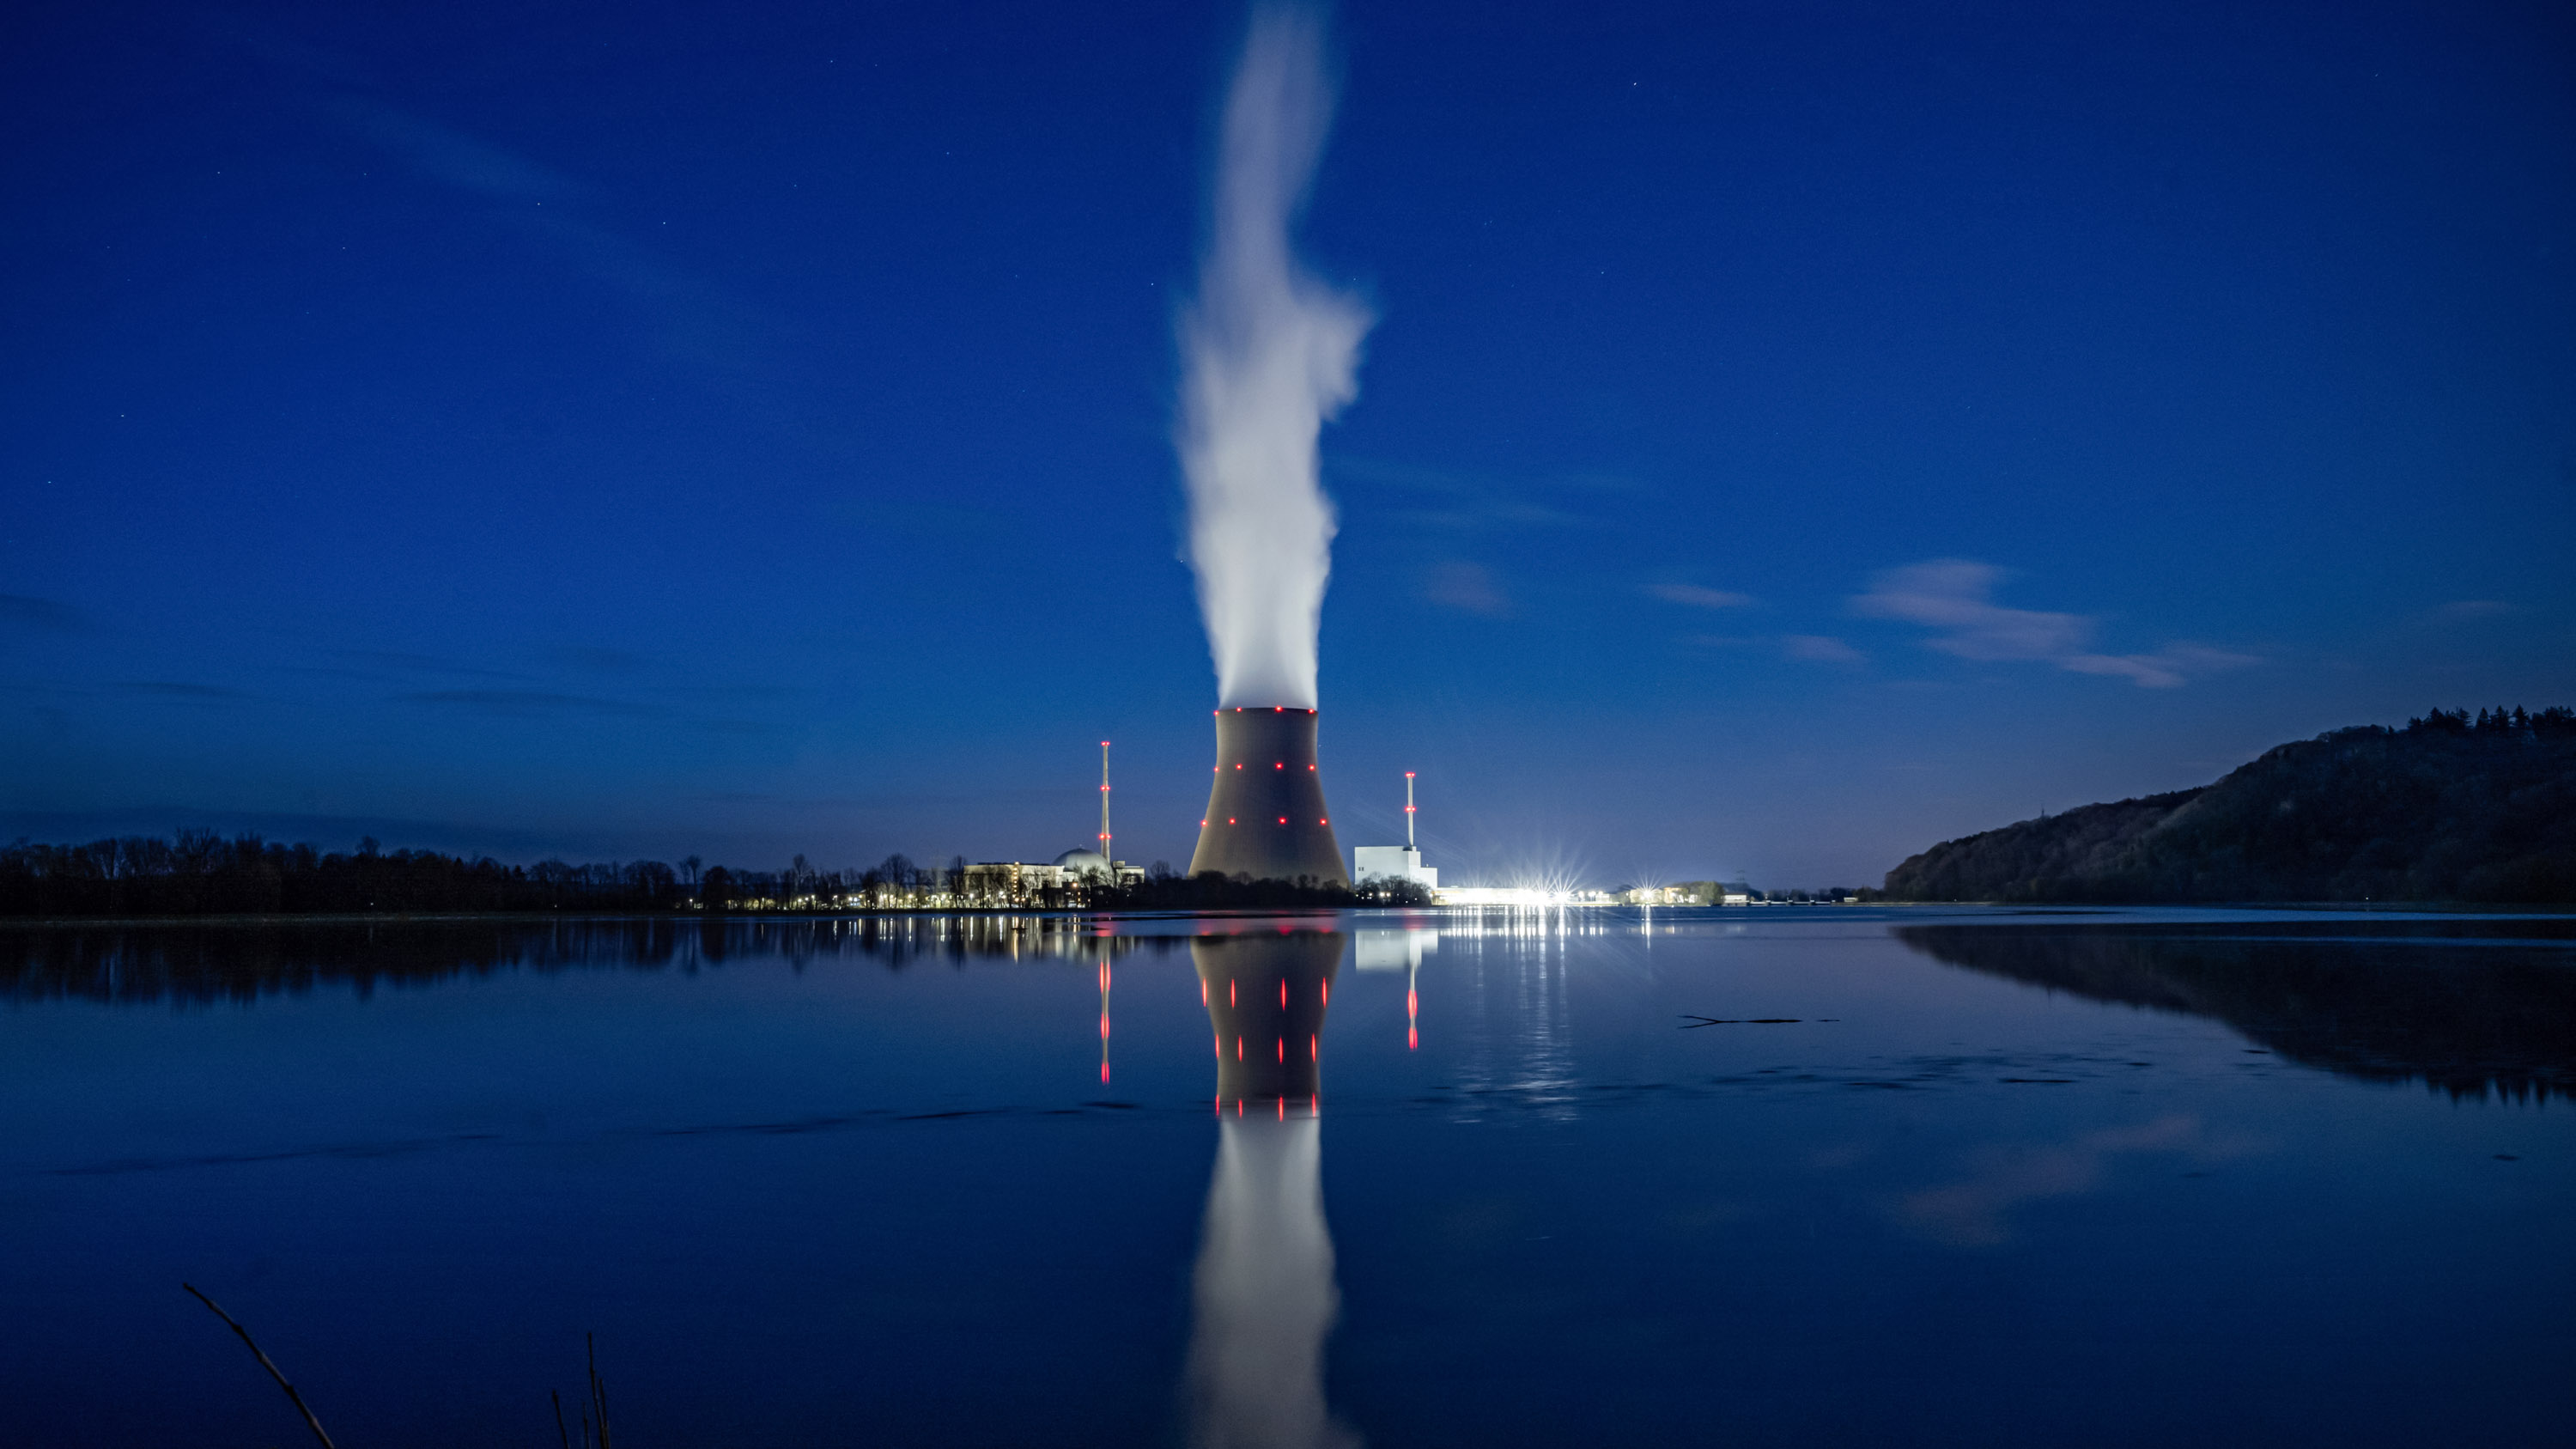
(1269, 353)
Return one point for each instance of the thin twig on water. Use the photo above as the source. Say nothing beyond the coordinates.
(310, 1422)
(598, 1390)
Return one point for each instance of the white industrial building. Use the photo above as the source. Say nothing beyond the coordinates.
(1392, 862)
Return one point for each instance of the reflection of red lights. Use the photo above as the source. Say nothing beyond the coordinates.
(1412, 1039)
(1229, 991)
(1283, 1051)
(1283, 993)
(1328, 993)
(1238, 1049)
(1315, 1048)
(1283, 1109)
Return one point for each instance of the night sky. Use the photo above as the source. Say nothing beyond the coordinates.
(1792, 434)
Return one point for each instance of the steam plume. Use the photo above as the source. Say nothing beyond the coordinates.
(1269, 352)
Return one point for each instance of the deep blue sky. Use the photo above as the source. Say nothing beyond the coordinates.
(619, 430)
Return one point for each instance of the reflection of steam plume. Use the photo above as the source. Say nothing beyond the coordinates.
(1269, 353)
(1265, 1292)
(1265, 1276)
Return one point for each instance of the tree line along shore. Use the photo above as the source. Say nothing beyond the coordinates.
(2450, 808)
(202, 873)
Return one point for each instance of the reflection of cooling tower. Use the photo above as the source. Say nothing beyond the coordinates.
(1266, 997)
(1266, 816)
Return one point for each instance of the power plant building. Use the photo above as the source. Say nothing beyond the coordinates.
(1393, 863)
(1018, 882)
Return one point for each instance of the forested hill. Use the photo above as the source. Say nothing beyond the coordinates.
(2450, 808)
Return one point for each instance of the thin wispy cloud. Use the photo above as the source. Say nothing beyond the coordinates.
(596, 658)
(447, 154)
(696, 319)
(1700, 597)
(1954, 598)
(27, 612)
(1820, 649)
(532, 703)
(1468, 502)
(177, 689)
(1469, 588)
(403, 661)
(2464, 610)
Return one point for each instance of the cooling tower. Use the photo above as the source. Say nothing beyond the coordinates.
(1266, 817)
(1266, 997)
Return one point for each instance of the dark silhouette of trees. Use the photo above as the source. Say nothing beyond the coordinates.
(2450, 808)
(200, 873)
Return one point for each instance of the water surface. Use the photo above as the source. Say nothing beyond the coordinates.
(1819, 1176)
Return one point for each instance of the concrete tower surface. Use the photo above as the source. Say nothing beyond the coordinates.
(1266, 999)
(1266, 817)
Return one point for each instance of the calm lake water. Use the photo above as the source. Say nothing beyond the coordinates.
(1758, 1177)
